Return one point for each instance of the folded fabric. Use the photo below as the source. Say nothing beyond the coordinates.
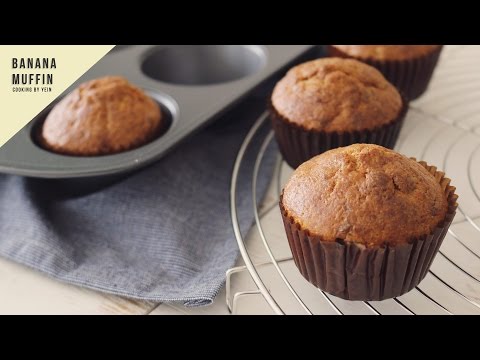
(162, 234)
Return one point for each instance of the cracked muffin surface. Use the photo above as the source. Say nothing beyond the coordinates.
(365, 194)
(335, 94)
(101, 117)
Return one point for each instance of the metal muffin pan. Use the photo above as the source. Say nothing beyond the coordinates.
(193, 84)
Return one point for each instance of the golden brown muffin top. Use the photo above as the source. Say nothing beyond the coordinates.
(334, 94)
(365, 194)
(387, 52)
(102, 116)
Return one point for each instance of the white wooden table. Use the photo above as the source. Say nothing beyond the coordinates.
(24, 291)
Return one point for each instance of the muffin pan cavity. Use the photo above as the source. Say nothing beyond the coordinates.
(203, 64)
(193, 84)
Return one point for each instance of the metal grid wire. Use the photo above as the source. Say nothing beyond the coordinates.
(443, 128)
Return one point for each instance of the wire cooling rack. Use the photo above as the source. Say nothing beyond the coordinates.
(443, 128)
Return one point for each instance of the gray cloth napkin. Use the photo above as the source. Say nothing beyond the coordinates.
(162, 234)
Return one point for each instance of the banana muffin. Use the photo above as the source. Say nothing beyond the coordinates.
(333, 102)
(364, 222)
(101, 117)
(408, 67)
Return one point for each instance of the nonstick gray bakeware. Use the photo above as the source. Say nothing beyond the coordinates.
(193, 84)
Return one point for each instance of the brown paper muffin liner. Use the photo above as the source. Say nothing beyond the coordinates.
(354, 272)
(411, 76)
(298, 144)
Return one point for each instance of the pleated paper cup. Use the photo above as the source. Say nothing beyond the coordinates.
(298, 144)
(352, 271)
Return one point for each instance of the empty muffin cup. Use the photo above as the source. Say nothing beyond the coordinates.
(203, 64)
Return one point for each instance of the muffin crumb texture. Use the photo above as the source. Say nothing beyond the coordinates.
(387, 52)
(103, 116)
(365, 194)
(334, 94)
